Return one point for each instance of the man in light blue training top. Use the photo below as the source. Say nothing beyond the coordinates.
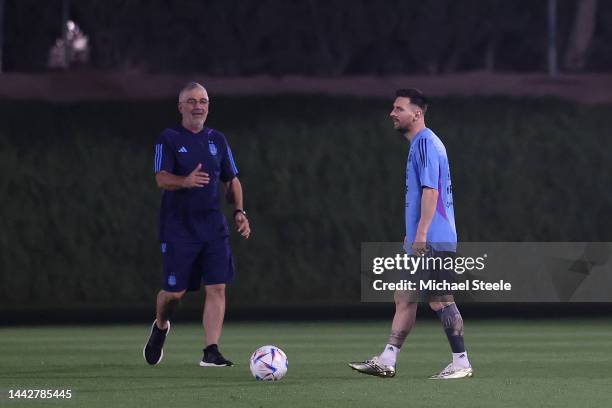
(430, 231)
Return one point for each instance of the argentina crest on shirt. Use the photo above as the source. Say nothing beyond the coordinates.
(212, 147)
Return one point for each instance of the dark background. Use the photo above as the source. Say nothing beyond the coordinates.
(313, 37)
(321, 173)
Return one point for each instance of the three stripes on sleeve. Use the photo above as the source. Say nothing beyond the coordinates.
(159, 151)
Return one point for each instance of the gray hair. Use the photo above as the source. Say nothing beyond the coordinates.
(189, 87)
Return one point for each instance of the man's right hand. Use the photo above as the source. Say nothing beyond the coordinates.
(196, 178)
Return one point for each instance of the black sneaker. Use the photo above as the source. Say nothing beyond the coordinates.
(153, 351)
(214, 358)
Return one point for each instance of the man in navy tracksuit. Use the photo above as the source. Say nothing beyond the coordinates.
(190, 163)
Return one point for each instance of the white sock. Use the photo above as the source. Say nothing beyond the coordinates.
(460, 360)
(389, 355)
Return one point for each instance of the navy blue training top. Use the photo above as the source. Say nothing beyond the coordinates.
(192, 214)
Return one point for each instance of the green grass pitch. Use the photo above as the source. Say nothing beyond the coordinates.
(538, 363)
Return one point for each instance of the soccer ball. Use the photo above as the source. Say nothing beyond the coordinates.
(269, 363)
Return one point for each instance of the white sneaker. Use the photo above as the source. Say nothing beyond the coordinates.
(451, 372)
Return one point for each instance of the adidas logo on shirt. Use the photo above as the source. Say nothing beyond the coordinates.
(182, 149)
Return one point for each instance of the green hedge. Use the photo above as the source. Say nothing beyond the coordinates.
(321, 175)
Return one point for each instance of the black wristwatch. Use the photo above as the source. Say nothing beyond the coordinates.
(239, 211)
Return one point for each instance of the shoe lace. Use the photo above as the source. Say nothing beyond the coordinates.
(449, 369)
(376, 363)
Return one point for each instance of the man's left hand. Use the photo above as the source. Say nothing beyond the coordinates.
(419, 246)
(242, 222)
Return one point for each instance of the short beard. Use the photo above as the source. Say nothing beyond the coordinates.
(194, 123)
(197, 121)
(402, 131)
